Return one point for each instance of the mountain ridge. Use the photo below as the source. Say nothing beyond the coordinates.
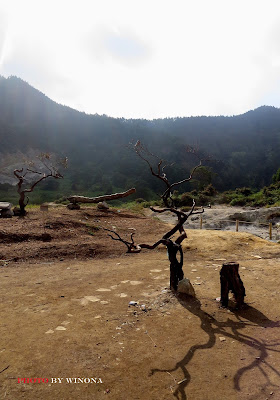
(247, 146)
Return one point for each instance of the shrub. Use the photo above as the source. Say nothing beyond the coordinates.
(186, 199)
(238, 201)
(203, 200)
(209, 190)
(245, 191)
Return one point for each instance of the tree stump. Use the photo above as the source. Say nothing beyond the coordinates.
(230, 280)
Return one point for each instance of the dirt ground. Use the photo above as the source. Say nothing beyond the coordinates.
(65, 312)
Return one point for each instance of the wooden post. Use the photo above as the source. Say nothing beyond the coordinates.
(237, 225)
(270, 231)
(230, 280)
(200, 225)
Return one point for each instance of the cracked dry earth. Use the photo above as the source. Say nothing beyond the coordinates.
(65, 313)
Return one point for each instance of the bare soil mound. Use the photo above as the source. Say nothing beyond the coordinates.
(66, 313)
(72, 234)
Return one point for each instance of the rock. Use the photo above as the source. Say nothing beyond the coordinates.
(185, 286)
(6, 210)
(6, 213)
(4, 205)
(102, 205)
(73, 206)
(132, 303)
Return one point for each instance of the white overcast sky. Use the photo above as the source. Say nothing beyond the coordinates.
(146, 58)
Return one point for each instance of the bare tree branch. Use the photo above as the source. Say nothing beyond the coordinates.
(173, 247)
(131, 247)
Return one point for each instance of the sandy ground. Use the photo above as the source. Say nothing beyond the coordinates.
(65, 313)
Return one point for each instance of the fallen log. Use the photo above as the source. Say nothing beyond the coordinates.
(106, 197)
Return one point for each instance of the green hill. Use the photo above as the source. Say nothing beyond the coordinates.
(245, 148)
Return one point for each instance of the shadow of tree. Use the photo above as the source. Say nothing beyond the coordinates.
(212, 327)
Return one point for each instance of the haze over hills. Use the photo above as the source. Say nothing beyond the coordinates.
(246, 147)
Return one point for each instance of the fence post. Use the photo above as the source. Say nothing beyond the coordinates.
(237, 225)
(270, 231)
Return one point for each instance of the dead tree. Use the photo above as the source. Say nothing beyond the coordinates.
(74, 200)
(29, 177)
(174, 247)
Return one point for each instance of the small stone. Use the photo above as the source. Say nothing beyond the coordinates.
(222, 338)
(60, 328)
(73, 206)
(103, 206)
(92, 298)
(132, 303)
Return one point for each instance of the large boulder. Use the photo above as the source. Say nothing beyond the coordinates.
(185, 286)
(6, 210)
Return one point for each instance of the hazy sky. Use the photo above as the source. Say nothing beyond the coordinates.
(146, 58)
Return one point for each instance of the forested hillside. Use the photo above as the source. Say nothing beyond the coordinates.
(245, 148)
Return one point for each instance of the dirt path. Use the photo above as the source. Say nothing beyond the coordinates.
(72, 319)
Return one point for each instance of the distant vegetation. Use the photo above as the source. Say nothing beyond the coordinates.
(245, 150)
